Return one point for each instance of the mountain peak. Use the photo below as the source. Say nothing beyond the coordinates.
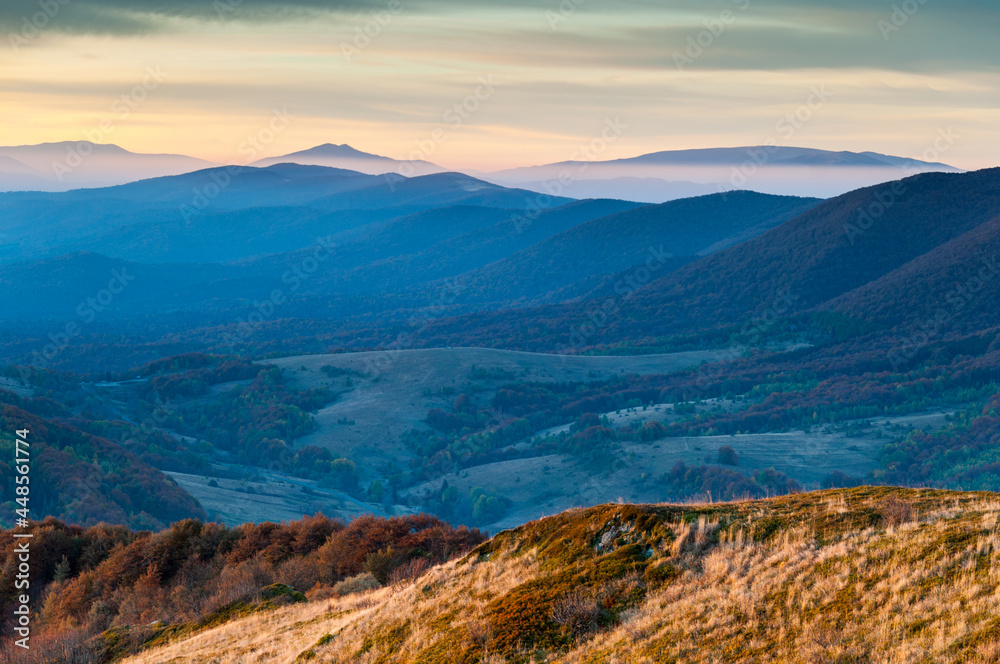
(334, 150)
(346, 157)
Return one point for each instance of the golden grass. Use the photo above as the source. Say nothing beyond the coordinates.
(836, 577)
(276, 636)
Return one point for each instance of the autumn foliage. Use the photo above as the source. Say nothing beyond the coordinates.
(89, 580)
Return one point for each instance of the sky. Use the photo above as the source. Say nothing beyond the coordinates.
(483, 85)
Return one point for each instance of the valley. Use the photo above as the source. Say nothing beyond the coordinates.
(392, 391)
(460, 355)
(555, 483)
(588, 332)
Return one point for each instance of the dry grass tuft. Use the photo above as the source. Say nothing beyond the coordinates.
(578, 612)
(895, 511)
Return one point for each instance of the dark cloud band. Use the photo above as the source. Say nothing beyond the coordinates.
(141, 16)
(909, 35)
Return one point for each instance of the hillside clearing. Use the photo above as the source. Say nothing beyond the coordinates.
(266, 498)
(392, 391)
(543, 485)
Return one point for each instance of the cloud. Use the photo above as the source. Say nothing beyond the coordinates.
(125, 17)
(143, 16)
(621, 34)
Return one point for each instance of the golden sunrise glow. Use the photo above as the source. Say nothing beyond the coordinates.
(553, 88)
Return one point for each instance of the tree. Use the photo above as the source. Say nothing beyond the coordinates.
(62, 571)
(380, 565)
(728, 457)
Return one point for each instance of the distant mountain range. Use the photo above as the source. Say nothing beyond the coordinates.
(652, 178)
(922, 252)
(72, 165)
(398, 241)
(811, 314)
(662, 176)
(346, 157)
(230, 213)
(658, 238)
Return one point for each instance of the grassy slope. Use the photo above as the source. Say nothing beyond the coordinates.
(268, 497)
(390, 398)
(863, 575)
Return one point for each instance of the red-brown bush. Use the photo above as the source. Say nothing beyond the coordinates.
(119, 578)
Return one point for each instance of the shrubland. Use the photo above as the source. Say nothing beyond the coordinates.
(869, 574)
(110, 590)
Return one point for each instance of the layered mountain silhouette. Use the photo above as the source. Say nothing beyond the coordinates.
(682, 173)
(213, 240)
(895, 254)
(74, 164)
(841, 245)
(229, 213)
(724, 257)
(344, 156)
(653, 178)
(494, 263)
(657, 238)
